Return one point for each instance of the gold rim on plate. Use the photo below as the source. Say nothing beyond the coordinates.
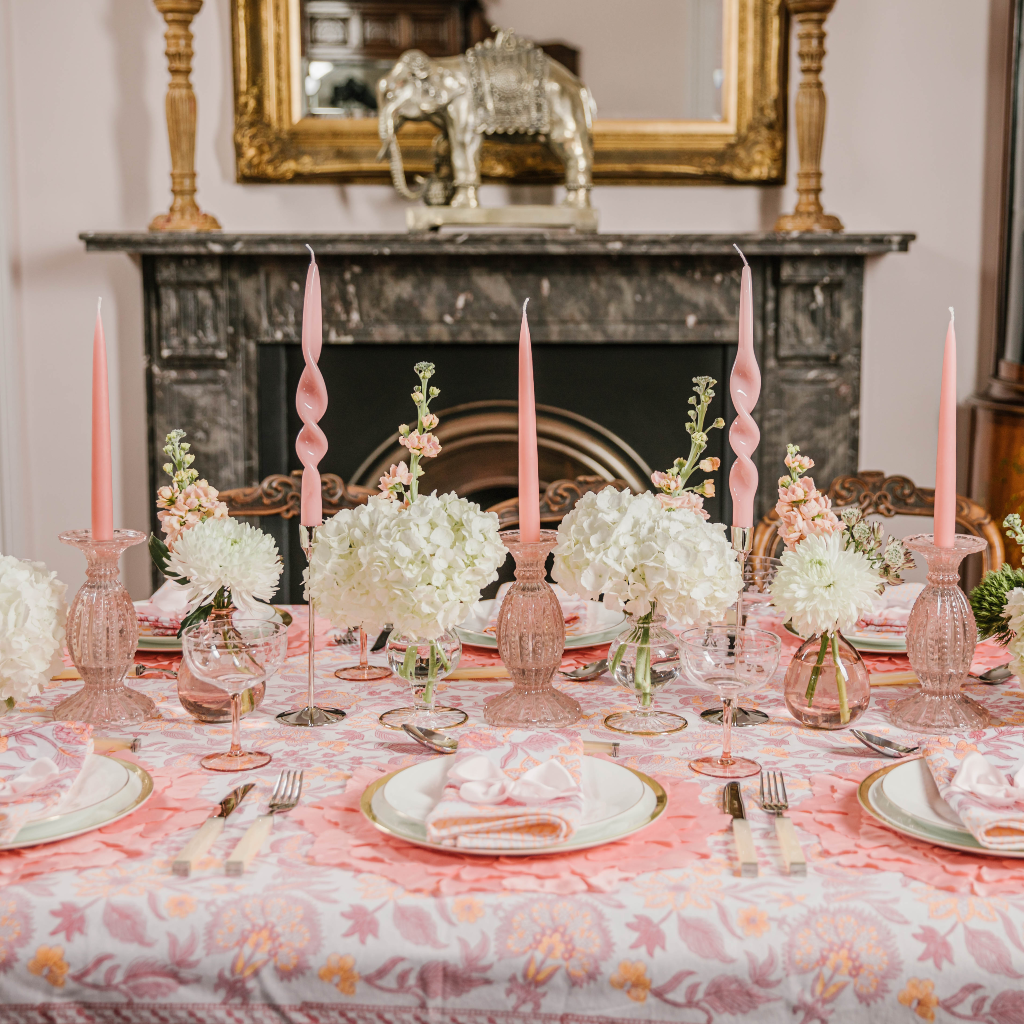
(366, 806)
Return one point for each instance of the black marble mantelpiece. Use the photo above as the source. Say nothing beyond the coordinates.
(223, 317)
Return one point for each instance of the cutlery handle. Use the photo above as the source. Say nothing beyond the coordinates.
(205, 837)
(790, 846)
(745, 847)
(249, 845)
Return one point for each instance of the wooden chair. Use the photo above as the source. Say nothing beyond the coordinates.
(281, 495)
(558, 500)
(891, 496)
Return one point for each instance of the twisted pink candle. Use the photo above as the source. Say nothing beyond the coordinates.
(311, 400)
(744, 387)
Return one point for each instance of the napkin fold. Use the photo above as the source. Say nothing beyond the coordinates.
(39, 765)
(510, 789)
(988, 801)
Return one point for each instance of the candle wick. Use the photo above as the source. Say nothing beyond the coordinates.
(525, 304)
(99, 304)
(952, 317)
(312, 255)
(742, 257)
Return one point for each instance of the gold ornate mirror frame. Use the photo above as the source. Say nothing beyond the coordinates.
(274, 142)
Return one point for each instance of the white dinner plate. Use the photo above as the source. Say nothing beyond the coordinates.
(904, 797)
(106, 791)
(596, 624)
(863, 640)
(159, 643)
(619, 802)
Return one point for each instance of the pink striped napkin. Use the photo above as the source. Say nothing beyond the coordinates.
(511, 789)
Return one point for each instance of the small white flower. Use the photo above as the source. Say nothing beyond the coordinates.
(32, 619)
(823, 587)
(637, 553)
(231, 554)
(1013, 611)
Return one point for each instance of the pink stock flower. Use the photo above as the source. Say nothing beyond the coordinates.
(803, 510)
(425, 445)
(666, 481)
(799, 491)
(688, 500)
(397, 476)
(710, 465)
(708, 488)
(430, 421)
(799, 464)
(181, 510)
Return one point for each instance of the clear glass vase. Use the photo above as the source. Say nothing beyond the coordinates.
(102, 635)
(643, 658)
(423, 664)
(208, 703)
(531, 639)
(941, 637)
(827, 684)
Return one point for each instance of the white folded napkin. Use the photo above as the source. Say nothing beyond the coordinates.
(510, 789)
(39, 774)
(988, 801)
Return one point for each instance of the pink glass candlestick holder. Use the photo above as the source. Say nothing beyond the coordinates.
(531, 638)
(103, 633)
(941, 637)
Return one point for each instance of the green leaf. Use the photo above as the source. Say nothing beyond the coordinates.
(200, 614)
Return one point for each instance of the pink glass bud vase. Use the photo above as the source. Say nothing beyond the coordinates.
(941, 637)
(103, 633)
(827, 684)
(531, 638)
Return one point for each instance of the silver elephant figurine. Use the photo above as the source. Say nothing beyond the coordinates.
(505, 86)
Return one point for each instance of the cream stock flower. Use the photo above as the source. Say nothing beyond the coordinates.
(1013, 611)
(395, 478)
(823, 587)
(425, 445)
(688, 500)
(636, 552)
(227, 553)
(32, 619)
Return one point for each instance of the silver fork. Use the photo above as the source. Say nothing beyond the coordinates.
(285, 796)
(774, 801)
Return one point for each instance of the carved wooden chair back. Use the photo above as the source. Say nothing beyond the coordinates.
(890, 496)
(558, 500)
(281, 495)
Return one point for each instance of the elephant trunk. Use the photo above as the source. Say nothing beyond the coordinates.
(387, 133)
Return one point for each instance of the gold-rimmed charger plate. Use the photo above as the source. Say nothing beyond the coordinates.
(415, 831)
(873, 800)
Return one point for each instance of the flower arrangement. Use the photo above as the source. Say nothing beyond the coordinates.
(186, 501)
(998, 602)
(402, 480)
(832, 569)
(643, 555)
(32, 619)
(673, 482)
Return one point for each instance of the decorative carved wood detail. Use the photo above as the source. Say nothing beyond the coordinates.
(809, 214)
(184, 214)
(891, 496)
(281, 495)
(558, 500)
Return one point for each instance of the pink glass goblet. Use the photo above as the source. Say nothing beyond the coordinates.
(531, 638)
(102, 635)
(729, 661)
(235, 657)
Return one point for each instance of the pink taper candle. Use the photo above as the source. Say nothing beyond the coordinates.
(529, 478)
(102, 487)
(945, 461)
(311, 401)
(744, 387)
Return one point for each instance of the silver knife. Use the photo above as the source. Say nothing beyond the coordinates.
(732, 803)
(208, 832)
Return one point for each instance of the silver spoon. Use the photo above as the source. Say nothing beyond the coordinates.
(880, 745)
(432, 739)
(998, 674)
(591, 671)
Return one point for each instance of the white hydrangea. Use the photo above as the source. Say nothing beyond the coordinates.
(637, 553)
(822, 586)
(227, 553)
(32, 619)
(437, 554)
(346, 569)
(1013, 611)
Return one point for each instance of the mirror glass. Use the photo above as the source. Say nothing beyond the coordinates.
(646, 60)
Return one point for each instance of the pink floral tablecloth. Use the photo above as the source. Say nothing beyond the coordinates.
(300, 940)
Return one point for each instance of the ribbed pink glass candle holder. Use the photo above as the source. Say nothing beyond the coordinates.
(941, 637)
(103, 633)
(531, 638)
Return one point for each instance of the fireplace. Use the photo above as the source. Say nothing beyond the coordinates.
(620, 326)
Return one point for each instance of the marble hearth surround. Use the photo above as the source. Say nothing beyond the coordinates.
(212, 300)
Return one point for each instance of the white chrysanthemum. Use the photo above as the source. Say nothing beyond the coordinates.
(32, 618)
(435, 555)
(346, 572)
(635, 552)
(1013, 612)
(231, 554)
(823, 587)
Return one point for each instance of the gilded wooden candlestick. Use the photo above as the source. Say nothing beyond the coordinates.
(184, 214)
(809, 214)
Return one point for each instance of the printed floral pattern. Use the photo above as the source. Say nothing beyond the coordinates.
(49, 964)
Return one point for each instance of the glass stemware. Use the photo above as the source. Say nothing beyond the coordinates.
(364, 672)
(234, 657)
(729, 660)
(423, 664)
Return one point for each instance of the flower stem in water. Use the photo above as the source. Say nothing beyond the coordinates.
(812, 683)
(844, 707)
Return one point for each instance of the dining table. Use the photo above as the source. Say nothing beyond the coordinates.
(335, 921)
